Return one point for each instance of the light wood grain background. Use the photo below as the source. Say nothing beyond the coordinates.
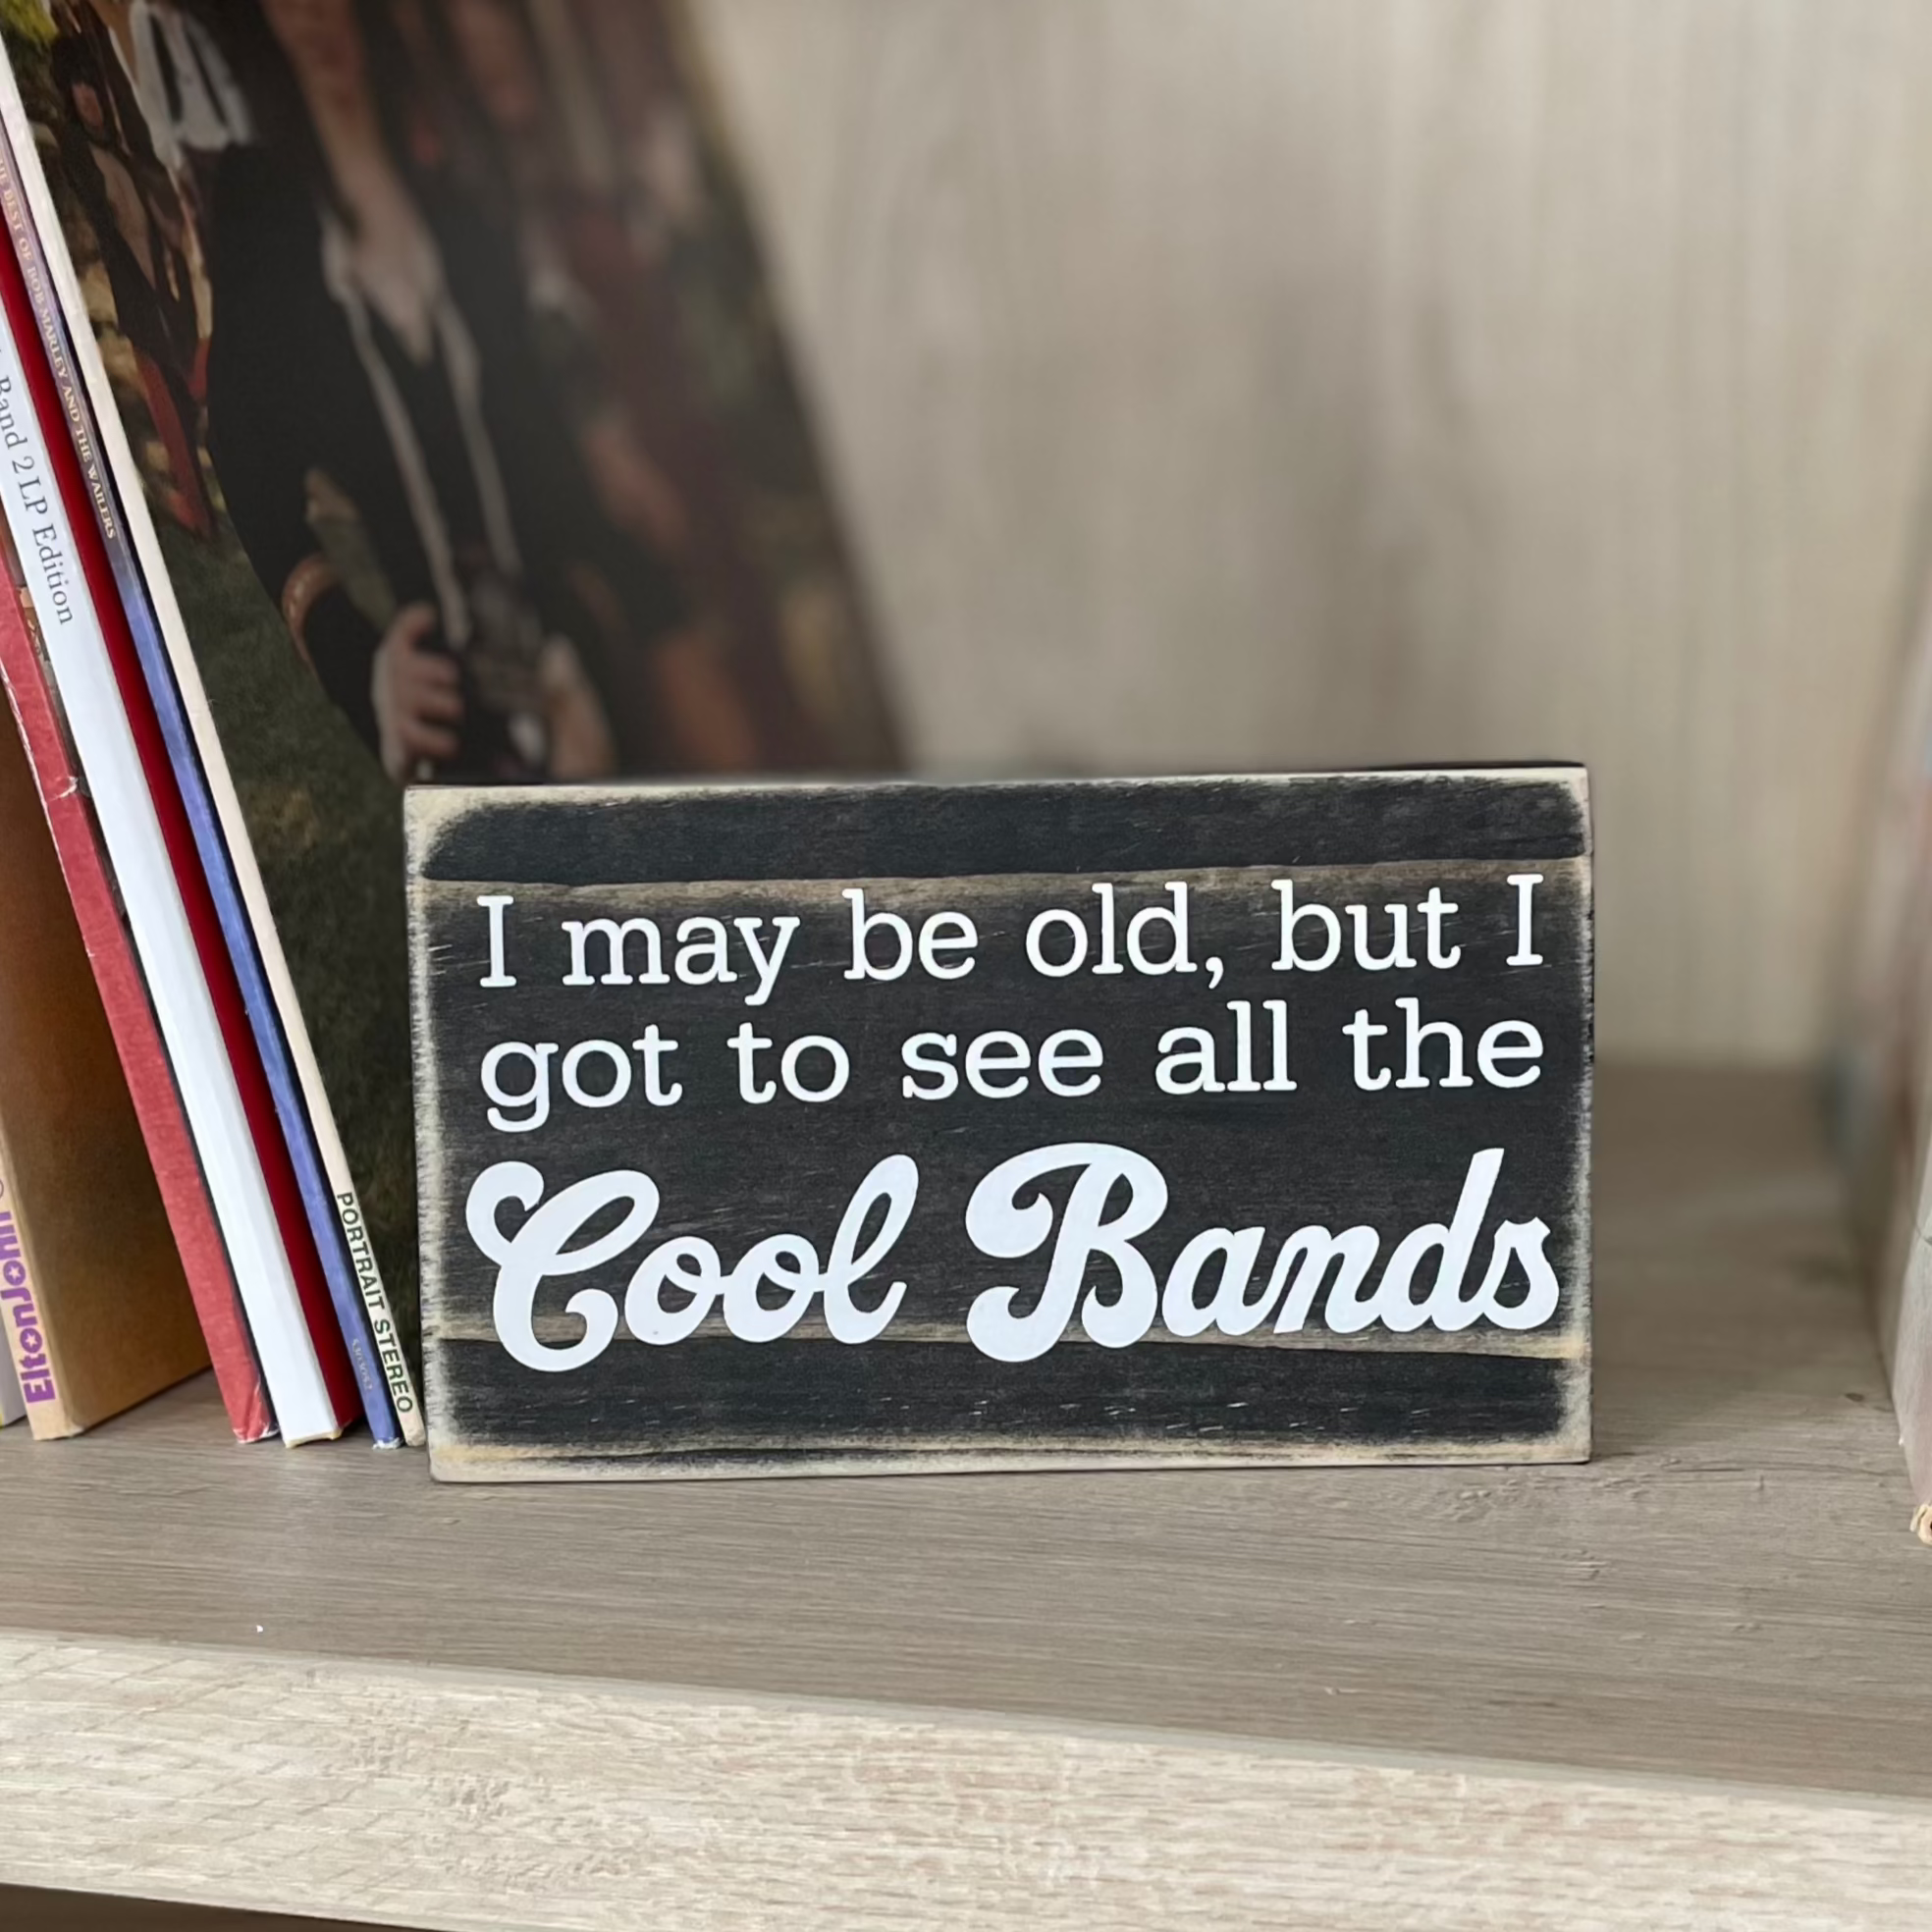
(1280, 381)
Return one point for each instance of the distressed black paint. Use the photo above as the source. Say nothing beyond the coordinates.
(921, 1395)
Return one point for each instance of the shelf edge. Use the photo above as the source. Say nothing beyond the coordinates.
(458, 1799)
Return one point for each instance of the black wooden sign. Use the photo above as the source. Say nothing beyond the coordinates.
(790, 1128)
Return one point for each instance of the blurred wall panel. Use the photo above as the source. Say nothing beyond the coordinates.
(1281, 382)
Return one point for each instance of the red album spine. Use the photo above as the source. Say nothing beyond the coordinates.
(278, 1170)
(137, 1037)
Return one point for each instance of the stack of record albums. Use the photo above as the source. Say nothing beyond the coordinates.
(389, 394)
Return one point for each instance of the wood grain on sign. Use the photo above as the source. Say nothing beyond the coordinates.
(1084, 1153)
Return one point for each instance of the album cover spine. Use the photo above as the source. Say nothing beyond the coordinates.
(330, 1202)
(157, 871)
(35, 1372)
(29, 1358)
(361, 1326)
(136, 1033)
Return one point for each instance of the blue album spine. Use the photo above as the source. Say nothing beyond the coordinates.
(318, 1201)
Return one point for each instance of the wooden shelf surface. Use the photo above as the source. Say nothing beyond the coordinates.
(314, 1680)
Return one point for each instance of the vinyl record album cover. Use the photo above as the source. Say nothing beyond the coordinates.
(444, 393)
